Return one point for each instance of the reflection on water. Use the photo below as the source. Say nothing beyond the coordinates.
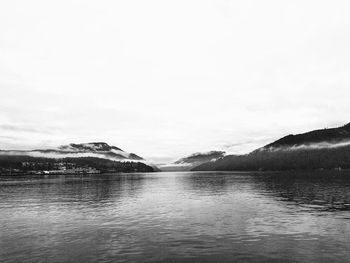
(185, 217)
(324, 191)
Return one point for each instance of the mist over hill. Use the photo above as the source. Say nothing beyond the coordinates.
(73, 158)
(319, 149)
(189, 162)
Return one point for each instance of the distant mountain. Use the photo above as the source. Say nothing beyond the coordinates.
(324, 138)
(92, 149)
(319, 149)
(99, 155)
(189, 162)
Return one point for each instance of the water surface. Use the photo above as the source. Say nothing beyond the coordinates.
(176, 217)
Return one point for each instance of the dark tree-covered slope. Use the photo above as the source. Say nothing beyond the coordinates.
(320, 149)
(333, 135)
(24, 164)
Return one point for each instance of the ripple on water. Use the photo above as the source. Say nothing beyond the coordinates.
(186, 217)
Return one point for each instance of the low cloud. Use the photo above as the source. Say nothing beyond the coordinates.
(57, 155)
(312, 146)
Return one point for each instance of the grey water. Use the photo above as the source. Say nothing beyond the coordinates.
(176, 217)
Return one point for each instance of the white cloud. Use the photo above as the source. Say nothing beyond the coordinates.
(164, 78)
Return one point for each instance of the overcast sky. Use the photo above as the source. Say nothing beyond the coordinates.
(165, 79)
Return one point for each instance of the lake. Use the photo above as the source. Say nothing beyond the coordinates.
(176, 217)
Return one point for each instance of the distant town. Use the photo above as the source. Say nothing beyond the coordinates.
(27, 165)
(49, 168)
